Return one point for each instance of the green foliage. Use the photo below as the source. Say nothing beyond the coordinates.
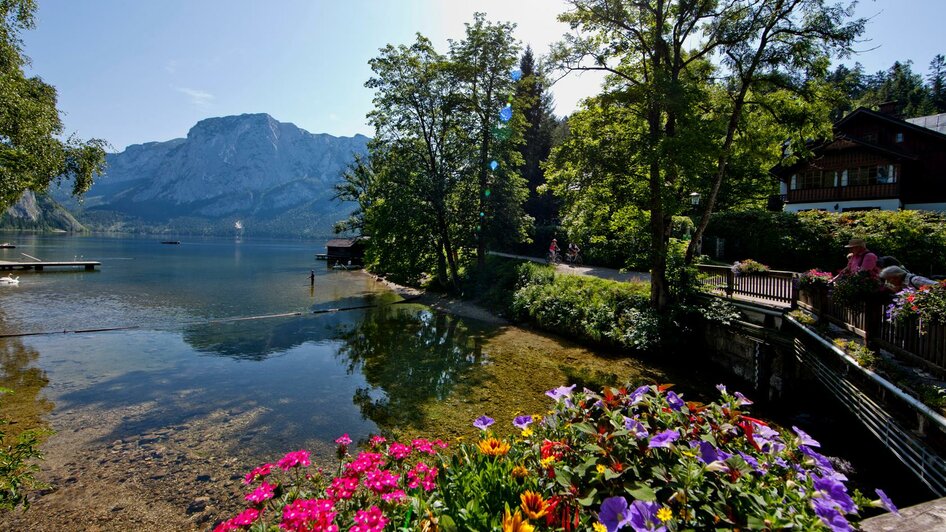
(854, 290)
(912, 95)
(864, 356)
(814, 279)
(18, 467)
(805, 240)
(922, 307)
(749, 266)
(587, 308)
(32, 154)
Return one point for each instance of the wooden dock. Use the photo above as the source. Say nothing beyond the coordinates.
(88, 265)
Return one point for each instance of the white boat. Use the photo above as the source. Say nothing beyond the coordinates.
(10, 280)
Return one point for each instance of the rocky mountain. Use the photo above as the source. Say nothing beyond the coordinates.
(39, 212)
(272, 177)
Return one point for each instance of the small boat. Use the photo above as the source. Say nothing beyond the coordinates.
(349, 266)
(7, 245)
(170, 241)
(9, 280)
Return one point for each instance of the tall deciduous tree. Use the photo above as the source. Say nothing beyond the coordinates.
(420, 147)
(483, 61)
(658, 54)
(31, 154)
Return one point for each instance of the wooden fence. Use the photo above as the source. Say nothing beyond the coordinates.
(867, 320)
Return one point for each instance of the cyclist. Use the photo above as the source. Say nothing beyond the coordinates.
(573, 251)
(554, 250)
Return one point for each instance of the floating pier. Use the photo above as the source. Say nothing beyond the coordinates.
(39, 266)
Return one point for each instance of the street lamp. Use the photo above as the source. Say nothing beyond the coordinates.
(694, 198)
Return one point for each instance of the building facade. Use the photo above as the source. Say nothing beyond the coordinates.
(875, 161)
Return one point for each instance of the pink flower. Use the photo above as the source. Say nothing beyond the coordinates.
(257, 473)
(342, 488)
(399, 451)
(423, 445)
(381, 481)
(370, 520)
(343, 440)
(365, 462)
(246, 517)
(294, 459)
(263, 493)
(423, 476)
(315, 515)
(395, 496)
(378, 440)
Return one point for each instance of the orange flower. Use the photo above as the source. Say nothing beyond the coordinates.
(493, 447)
(533, 505)
(520, 472)
(515, 523)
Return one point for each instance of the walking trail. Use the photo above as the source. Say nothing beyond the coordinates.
(591, 271)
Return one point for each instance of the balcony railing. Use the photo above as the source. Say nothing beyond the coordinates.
(859, 192)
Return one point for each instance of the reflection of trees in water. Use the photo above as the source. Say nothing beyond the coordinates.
(25, 408)
(407, 356)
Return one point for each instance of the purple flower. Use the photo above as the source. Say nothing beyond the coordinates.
(664, 439)
(635, 428)
(721, 388)
(830, 515)
(823, 463)
(614, 513)
(644, 517)
(753, 463)
(483, 422)
(836, 492)
(805, 438)
(522, 422)
(638, 394)
(562, 392)
(742, 400)
(709, 453)
(674, 401)
(886, 502)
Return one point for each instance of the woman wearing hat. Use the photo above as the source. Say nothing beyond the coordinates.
(859, 260)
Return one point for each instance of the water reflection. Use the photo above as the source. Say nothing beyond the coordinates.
(408, 355)
(25, 407)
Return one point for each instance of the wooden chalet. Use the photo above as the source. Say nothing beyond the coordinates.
(875, 161)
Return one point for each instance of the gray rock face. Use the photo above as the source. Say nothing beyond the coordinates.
(38, 213)
(274, 177)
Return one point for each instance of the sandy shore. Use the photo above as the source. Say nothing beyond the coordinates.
(442, 302)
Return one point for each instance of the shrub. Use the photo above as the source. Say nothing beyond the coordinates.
(18, 467)
(864, 356)
(926, 305)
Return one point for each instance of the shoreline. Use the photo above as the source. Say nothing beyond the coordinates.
(442, 302)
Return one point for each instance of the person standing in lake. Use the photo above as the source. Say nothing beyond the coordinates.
(859, 260)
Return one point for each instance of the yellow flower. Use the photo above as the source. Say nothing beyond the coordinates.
(515, 523)
(520, 472)
(533, 505)
(493, 447)
(664, 514)
(601, 469)
(526, 432)
(598, 527)
(546, 462)
(536, 418)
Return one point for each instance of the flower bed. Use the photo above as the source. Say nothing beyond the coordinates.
(814, 279)
(927, 305)
(642, 460)
(748, 266)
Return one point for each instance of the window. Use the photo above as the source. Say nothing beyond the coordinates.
(898, 138)
(870, 175)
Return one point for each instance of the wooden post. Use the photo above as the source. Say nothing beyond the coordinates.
(730, 283)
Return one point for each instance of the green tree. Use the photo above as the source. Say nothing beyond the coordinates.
(483, 61)
(937, 83)
(31, 154)
(536, 105)
(901, 85)
(657, 54)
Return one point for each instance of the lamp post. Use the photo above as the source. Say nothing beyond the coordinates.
(694, 199)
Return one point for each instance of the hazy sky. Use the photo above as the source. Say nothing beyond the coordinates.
(137, 71)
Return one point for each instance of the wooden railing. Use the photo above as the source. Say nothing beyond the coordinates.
(867, 320)
(774, 287)
(857, 192)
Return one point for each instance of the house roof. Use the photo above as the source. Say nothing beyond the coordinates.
(345, 242)
(935, 122)
(908, 124)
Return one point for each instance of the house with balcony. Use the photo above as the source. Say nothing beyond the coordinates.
(875, 161)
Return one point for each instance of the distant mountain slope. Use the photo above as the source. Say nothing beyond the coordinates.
(38, 212)
(274, 177)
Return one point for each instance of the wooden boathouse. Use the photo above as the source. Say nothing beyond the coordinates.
(346, 249)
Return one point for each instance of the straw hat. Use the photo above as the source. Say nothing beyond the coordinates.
(856, 242)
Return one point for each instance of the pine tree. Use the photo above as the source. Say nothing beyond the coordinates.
(536, 104)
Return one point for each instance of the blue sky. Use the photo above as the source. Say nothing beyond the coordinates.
(137, 71)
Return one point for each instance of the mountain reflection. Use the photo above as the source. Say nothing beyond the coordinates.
(407, 355)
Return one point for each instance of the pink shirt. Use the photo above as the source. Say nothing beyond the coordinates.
(866, 261)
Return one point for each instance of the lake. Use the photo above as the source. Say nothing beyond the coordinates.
(156, 422)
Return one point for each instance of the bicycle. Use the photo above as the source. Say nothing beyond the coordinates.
(553, 257)
(574, 259)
